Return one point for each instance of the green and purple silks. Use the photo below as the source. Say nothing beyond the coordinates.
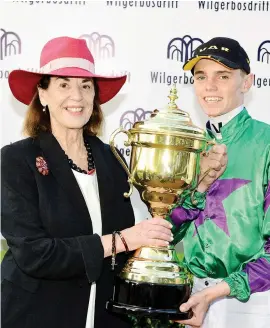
(227, 235)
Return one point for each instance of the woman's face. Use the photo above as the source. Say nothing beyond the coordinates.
(70, 101)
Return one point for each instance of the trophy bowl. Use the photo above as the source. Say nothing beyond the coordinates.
(164, 163)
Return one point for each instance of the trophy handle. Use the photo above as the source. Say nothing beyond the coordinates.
(113, 148)
(211, 142)
(208, 143)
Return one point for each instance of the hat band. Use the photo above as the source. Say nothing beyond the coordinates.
(68, 62)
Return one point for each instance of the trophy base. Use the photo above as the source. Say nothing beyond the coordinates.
(156, 301)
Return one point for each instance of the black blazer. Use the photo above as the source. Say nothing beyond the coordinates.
(53, 254)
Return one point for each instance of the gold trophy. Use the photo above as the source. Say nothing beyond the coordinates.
(164, 163)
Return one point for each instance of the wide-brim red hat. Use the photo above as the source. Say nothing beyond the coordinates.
(63, 56)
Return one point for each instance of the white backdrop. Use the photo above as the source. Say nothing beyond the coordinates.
(148, 40)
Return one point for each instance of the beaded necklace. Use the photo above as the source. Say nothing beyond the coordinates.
(90, 160)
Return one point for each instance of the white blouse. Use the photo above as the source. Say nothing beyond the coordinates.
(89, 188)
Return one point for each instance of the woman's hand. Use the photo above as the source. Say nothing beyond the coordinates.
(152, 232)
(200, 302)
(216, 160)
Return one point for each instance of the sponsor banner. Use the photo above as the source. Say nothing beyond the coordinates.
(149, 41)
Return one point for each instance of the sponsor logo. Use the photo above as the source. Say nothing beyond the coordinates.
(143, 4)
(102, 47)
(260, 82)
(127, 120)
(179, 49)
(78, 3)
(10, 44)
(131, 116)
(5, 73)
(234, 5)
(264, 52)
(263, 56)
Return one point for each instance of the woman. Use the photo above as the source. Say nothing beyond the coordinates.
(62, 198)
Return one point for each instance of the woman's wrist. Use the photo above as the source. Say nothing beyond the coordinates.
(119, 244)
(107, 244)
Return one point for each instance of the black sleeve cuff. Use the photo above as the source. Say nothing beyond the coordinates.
(93, 255)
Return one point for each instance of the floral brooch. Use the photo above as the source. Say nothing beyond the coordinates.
(42, 165)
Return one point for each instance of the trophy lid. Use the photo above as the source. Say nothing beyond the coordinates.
(172, 120)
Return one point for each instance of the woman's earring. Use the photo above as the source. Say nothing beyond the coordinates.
(45, 108)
